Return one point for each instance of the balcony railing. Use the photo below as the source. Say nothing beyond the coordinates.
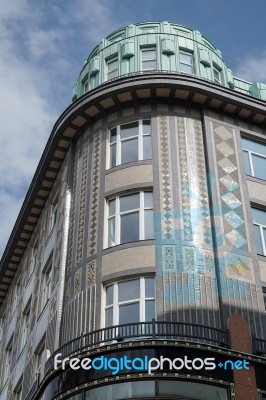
(153, 329)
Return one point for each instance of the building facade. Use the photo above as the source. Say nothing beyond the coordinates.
(143, 233)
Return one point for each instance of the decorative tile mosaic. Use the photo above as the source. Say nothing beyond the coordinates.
(91, 273)
(82, 202)
(169, 258)
(77, 282)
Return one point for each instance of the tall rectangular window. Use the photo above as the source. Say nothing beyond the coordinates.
(33, 259)
(148, 59)
(112, 68)
(53, 216)
(264, 296)
(186, 62)
(259, 224)
(216, 75)
(130, 218)
(130, 142)
(25, 329)
(46, 284)
(130, 301)
(254, 154)
(7, 361)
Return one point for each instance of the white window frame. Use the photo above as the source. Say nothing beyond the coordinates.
(187, 53)
(111, 71)
(33, 258)
(139, 136)
(18, 393)
(218, 72)
(261, 227)
(117, 216)
(143, 50)
(47, 284)
(53, 216)
(7, 361)
(86, 86)
(250, 153)
(15, 298)
(38, 356)
(141, 300)
(25, 329)
(93, 80)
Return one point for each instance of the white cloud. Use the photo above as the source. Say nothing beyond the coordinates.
(252, 68)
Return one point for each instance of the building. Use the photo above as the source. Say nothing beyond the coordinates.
(147, 212)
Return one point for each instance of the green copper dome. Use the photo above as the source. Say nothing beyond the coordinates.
(153, 47)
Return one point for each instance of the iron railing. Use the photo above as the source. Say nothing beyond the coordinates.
(153, 329)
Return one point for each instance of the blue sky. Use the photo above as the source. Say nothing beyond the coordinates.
(44, 43)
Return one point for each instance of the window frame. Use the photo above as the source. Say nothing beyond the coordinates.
(186, 53)
(250, 153)
(7, 360)
(108, 71)
(146, 49)
(46, 284)
(141, 300)
(53, 216)
(264, 296)
(25, 328)
(261, 227)
(117, 217)
(117, 143)
(218, 72)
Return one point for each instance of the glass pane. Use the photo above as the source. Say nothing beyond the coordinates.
(264, 237)
(109, 317)
(129, 313)
(148, 199)
(259, 216)
(129, 130)
(246, 162)
(216, 75)
(259, 165)
(111, 207)
(149, 310)
(258, 239)
(128, 290)
(121, 391)
(147, 151)
(111, 232)
(149, 287)
(146, 127)
(113, 74)
(148, 224)
(129, 202)
(185, 58)
(129, 228)
(113, 135)
(109, 294)
(113, 155)
(112, 65)
(187, 69)
(192, 390)
(148, 54)
(150, 64)
(257, 147)
(129, 151)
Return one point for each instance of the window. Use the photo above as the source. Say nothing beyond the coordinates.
(93, 81)
(86, 86)
(47, 285)
(8, 361)
(186, 62)
(112, 69)
(53, 216)
(130, 218)
(264, 296)
(130, 142)
(130, 301)
(148, 59)
(216, 75)
(15, 299)
(259, 224)
(25, 326)
(33, 259)
(38, 357)
(254, 154)
(18, 392)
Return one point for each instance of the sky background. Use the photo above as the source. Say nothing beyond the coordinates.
(44, 43)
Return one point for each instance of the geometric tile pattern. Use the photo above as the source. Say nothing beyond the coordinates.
(77, 282)
(169, 258)
(94, 198)
(166, 187)
(82, 202)
(234, 229)
(72, 216)
(91, 273)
